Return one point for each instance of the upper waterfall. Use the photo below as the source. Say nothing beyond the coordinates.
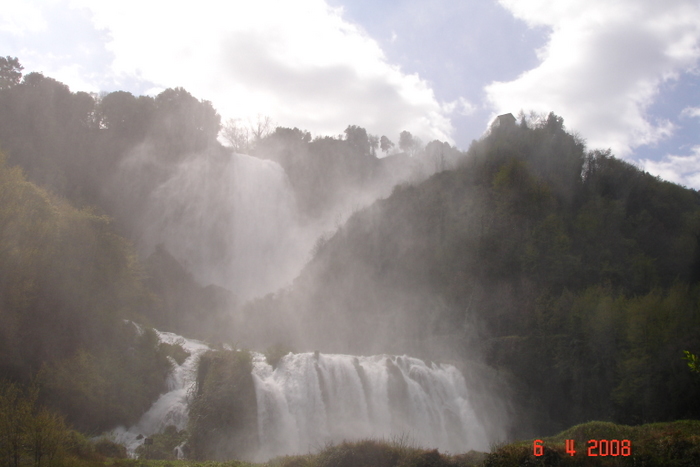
(231, 220)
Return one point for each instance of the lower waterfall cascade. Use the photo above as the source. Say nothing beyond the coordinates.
(310, 399)
(170, 408)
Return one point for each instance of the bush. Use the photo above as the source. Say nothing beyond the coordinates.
(108, 448)
(274, 354)
(162, 444)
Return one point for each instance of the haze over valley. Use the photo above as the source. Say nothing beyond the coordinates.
(418, 285)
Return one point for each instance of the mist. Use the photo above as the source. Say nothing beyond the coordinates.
(246, 292)
(258, 225)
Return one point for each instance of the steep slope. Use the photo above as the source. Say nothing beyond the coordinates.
(67, 284)
(573, 271)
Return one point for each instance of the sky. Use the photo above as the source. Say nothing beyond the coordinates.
(624, 75)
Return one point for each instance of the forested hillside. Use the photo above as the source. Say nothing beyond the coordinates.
(572, 275)
(72, 215)
(67, 285)
(572, 272)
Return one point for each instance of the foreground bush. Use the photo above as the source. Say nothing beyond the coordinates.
(374, 453)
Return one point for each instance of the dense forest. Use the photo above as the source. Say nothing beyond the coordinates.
(572, 272)
(570, 277)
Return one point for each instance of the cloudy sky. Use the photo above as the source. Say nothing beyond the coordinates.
(625, 75)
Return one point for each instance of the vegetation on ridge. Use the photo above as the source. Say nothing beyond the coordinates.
(572, 272)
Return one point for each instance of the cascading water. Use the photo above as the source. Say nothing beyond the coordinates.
(311, 399)
(231, 220)
(171, 408)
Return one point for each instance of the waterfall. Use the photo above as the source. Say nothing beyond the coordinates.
(230, 219)
(171, 408)
(311, 399)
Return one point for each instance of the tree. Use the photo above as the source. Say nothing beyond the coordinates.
(436, 152)
(27, 429)
(10, 72)
(385, 144)
(125, 115)
(693, 361)
(46, 435)
(373, 144)
(407, 143)
(182, 123)
(15, 414)
(261, 127)
(357, 137)
(236, 135)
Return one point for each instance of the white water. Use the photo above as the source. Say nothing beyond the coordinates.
(311, 399)
(231, 220)
(171, 408)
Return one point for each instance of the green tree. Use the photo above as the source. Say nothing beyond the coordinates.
(47, 433)
(358, 139)
(182, 123)
(373, 144)
(406, 141)
(126, 116)
(385, 144)
(15, 414)
(692, 361)
(10, 72)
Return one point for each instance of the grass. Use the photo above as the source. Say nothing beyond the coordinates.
(364, 453)
(673, 444)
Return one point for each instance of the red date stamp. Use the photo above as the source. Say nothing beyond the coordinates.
(596, 447)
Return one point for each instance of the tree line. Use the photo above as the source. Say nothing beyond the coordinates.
(573, 273)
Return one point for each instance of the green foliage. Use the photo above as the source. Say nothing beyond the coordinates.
(66, 284)
(182, 123)
(385, 144)
(184, 306)
(376, 453)
(407, 142)
(29, 431)
(10, 72)
(162, 444)
(357, 137)
(109, 386)
(692, 361)
(573, 272)
(274, 354)
(223, 412)
(108, 448)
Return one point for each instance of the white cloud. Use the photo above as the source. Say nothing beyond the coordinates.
(460, 106)
(603, 65)
(691, 112)
(299, 62)
(684, 170)
(21, 18)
